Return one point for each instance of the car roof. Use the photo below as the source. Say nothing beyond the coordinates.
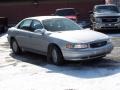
(41, 18)
(105, 5)
(64, 9)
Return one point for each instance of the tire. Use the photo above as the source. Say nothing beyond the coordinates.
(15, 47)
(93, 28)
(55, 56)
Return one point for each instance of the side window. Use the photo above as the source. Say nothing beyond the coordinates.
(36, 25)
(25, 25)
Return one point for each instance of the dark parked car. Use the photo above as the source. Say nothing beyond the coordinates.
(105, 17)
(3, 24)
(70, 13)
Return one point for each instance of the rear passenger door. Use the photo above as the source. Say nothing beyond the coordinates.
(24, 33)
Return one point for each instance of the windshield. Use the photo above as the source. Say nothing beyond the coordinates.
(101, 9)
(67, 12)
(60, 24)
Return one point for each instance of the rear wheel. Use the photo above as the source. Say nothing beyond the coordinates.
(93, 27)
(55, 56)
(15, 47)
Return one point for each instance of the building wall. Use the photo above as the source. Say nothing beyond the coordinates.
(108, 1)
(116, 2)
(17, 11)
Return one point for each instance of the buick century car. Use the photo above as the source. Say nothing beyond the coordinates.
(58, 38)
(105, 17)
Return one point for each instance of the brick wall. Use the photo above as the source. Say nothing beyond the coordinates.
(17, 11)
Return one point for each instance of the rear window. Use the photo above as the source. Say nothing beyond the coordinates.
(66, 12)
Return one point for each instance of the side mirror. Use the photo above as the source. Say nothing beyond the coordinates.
(41, 31)
(90, 12)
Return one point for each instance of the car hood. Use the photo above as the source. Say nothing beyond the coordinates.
(106, 14)
(79, 36)
(71, 17)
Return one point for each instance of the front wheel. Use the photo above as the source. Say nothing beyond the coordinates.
(55, 56)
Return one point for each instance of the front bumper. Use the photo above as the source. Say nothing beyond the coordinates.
(84, 54)
(106, 25)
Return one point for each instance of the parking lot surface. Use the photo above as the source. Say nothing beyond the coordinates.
(31, 71)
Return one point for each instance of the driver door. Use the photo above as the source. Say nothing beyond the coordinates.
(38, 40)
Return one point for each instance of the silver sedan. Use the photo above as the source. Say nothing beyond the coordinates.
(58, 38)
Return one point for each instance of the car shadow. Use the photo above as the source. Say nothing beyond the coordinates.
(2, 34)
(80, 69)
(31, 58)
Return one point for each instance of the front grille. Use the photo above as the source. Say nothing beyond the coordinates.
(110, 27)
(109, 20)
(98, 44)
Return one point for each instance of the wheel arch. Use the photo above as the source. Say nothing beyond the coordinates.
(60, 61)
(52, 45)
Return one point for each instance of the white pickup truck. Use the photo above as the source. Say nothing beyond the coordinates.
(104, 17)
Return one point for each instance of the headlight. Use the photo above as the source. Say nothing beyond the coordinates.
(97, 20)
(81, 46)
(109, 41)
(119, 19)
